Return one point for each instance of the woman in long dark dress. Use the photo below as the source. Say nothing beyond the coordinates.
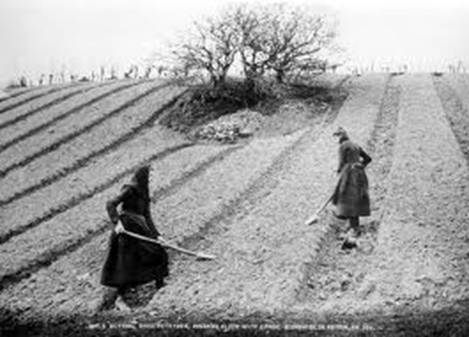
(131, 262)
(351, 195)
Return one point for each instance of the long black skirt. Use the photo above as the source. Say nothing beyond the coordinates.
(351, 195)
(131, 261)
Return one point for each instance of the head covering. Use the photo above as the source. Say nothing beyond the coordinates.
(341, 133)
(140, 181)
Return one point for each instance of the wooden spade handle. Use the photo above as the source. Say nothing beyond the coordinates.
(166, 244)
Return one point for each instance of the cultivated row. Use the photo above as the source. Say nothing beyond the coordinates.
(29, 96)
(460, 85)
(56, 135)
(87, 217)
(34, 104)
(334, 278)
(422, 252)
(192, 205)
(84, 178)
(261, 258)
(47, 120)
(453, 94)
(17, 92)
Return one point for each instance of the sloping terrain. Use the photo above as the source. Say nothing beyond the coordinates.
(67, 149)
(261, 254)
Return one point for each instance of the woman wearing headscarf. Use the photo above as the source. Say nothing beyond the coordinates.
(351, 196)
(131, 262)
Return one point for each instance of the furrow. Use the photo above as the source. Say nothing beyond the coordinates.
(51, 99)
(77, 226)
(198, 202)
(78, 190)
(27, 179)
(261, 187)
(186, 211)
(17, 267)
(35, 94)
(48, 200)
(49, 118)
(382, 147)
(459, 85)
(240, 207)
(421, 256)
(17, 93)
(120, 118)
(456, 111)
(333, 278)
(205, 196)
(263, 256)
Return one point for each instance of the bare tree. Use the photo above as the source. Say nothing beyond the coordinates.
(210, 46)
(279, 38)
(276, 38)
(250, 26)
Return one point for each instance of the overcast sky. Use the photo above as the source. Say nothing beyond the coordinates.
(45, 35)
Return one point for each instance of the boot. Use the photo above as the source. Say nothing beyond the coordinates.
(104, 302)
(355, 225)
(352, 234)
(159, 283)
(121, 305)
(349, 243)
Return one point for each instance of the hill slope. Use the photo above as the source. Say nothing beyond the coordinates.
(66, 150)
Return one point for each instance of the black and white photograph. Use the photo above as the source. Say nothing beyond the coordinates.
(234, 168)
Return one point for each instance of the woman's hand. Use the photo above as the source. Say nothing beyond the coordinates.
(359, 165)
(119, 228)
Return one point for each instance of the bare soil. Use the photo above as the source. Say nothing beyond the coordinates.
(247, 203)
(337, 272)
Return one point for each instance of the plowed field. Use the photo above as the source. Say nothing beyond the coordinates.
(65, 150)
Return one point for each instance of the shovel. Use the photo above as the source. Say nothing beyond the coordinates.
(313, 219)
(164, 243)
